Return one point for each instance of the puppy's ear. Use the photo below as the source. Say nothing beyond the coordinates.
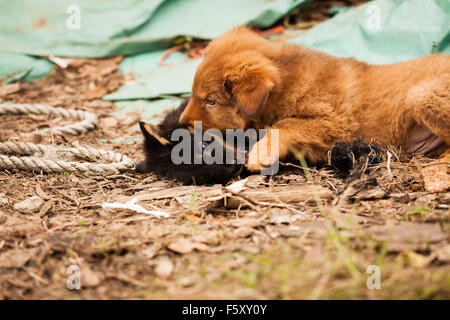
(251, 96)
(151, 134)
(251, 85)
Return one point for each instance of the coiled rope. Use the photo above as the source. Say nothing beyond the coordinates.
(30, 156)
(88, 119)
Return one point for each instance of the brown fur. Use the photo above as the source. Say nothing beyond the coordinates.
(315, 99)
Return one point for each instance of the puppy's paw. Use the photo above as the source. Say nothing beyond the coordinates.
(262, 155)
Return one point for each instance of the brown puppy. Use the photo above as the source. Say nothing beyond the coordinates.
(315, 99)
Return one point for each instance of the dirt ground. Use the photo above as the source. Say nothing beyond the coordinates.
(302, 234)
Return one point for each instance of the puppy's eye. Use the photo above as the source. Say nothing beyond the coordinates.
(210, 103)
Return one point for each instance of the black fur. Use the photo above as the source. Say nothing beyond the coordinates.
(158, 156)
(350, 159)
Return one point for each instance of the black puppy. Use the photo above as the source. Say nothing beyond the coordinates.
(158, 155)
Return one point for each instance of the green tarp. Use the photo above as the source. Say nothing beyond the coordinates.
(152, 80)
(150, 110)
(385, 31)
(124, 27)
(15, 66)
(102, 28)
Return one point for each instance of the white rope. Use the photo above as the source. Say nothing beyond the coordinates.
(30, 157)
(88, 119)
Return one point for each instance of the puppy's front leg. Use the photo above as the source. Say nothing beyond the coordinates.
(309, 137)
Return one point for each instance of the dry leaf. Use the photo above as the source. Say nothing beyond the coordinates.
(192, 218)
(3, 199)
(9, 88)
(108, 65)
(109, 122)
(30, 205)
(95, 93)
(46, 207)
(436, 177)
(443, 254)
(99, 67)
(164, 268)
(76, 62)
(129, 119)
(185, 246)
(89, 278)
(188, 281)
(41, 193)
(182, 246)
(149, 252)
(36, 138)
(17, 258)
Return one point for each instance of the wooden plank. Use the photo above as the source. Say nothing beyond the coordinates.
(282, 194)
(219, 196)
